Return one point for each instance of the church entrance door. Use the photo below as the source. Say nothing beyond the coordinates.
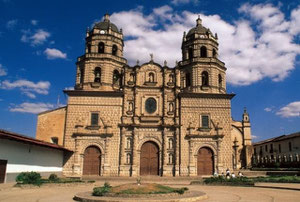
(205, 161)
(2, 170)
(92, 161)
(149, 164)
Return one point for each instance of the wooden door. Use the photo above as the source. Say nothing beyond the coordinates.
(92, 161)
(3, 164)
(205, 162)
(149, 164)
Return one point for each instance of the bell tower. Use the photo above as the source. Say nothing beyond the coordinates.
(201, 70)
(101, 67)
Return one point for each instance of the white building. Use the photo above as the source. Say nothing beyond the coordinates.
(19, 153)
(282, 151)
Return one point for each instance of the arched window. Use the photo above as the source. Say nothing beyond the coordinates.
(116, 76)
(191, 54)
(89, 48)
(81, 75)
(114, 50)
(204, 76)
(97, 73)
(54, 140)
(214, 53)
(151, 77)
(220, 80)
(203, 52)
(187, 79)
(131, 78)
(101, 47)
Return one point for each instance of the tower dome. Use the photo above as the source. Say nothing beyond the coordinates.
(201, 69)
(199, 29)
(105, 24)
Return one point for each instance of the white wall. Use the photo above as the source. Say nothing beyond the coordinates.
(25, 157)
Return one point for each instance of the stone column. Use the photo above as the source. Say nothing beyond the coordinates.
(219, 159)
(176, 152)
(135, 154)
(122, 154)
(164, 151)
(77, 167)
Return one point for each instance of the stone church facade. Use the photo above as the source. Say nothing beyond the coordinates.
(148, 119)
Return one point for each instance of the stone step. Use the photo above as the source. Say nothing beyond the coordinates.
(143, 179)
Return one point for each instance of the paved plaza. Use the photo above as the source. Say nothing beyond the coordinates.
(65, 193)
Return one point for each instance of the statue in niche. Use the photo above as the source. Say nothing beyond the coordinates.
(171, 107)
(170, 158)
(130, 106)
(170, 143)
(128, 143)
(128, 158)
(171, 78)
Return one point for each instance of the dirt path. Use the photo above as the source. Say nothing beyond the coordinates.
(216, 193)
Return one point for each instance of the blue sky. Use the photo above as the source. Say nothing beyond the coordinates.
(258, 40)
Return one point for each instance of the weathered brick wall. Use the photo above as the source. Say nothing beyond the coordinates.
(51, 124)
(78, 118)
(219, 112)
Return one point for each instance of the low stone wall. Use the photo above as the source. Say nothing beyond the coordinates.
(186, 197)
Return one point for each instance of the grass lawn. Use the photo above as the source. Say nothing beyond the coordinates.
(245, 181)
(134, 188)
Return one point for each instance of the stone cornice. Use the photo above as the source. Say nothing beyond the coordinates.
(102, 135)
(149, 126)
(206, 95)
(207, 61)
(204, 136)
(94, 93)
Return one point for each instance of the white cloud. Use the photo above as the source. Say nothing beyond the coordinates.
(256, 46)
(34, 22)
(33, 108)
(177, 2)
(11, 24)
(29, 94)
(27, 87)
(254, 137)
(69, 88)
(268, 109)
(295, 21)
(37, 38)
(2, 71)
(290, 110)
(53, 53)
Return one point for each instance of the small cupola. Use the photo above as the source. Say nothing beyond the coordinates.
(246, 116)
(106, 25)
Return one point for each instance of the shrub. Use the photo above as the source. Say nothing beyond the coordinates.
(29, 178)
(238, 181)
(106, 185)
(53, 178)
(100, 191)
(278, 179)
(181, 190)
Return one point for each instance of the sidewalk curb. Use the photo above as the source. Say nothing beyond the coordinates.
(278, 187)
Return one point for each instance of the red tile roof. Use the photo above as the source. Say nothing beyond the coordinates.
(28, 140)
(277, 139)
